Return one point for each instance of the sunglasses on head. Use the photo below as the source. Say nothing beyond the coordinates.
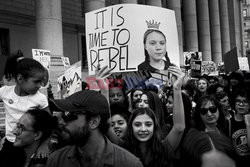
(212, 109)
(71, 116)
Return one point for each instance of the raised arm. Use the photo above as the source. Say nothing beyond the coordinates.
(175, 135)
(101, 75)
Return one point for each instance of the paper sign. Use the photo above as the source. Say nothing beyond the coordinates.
(188, 56)
(195, 66)
(209, 68)
(114, 35)
(42, 56)
(70, 81)
(243, 63)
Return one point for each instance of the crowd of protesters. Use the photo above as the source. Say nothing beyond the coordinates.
(196, 122)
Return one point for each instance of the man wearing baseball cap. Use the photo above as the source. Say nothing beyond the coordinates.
(84, 124)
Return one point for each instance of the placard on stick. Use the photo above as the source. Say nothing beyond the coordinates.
(114, 35)
(231, 60)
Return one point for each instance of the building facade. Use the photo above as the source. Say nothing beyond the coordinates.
(246, 23)
(212, 27)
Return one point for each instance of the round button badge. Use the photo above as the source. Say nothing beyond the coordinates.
(10, 101)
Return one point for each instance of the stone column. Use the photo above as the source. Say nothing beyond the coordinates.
(90, 5)
(50, 37)
(176, 6)
(204, 29)
(224, 21)
(49, 26)
(154, 3)
(214, 14)
(190, 26)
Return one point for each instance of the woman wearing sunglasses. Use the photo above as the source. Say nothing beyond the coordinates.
(208, 115)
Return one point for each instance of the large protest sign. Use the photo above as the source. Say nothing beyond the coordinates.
(231, 60)
(70, 81)
(114, 35)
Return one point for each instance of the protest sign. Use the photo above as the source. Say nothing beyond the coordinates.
(114, 35)
(188, 56)
(42, 56)
(231, 60)
(195, 66)
(243, 63)
(70, 81)
(65, 61)
(209, 68)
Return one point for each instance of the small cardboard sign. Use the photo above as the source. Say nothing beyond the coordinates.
(42, 56)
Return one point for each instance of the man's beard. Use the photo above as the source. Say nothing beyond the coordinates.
(79, 137)
(82, 138)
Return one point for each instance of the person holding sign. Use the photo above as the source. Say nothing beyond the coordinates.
(155, 49)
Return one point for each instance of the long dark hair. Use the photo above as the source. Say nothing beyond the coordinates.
(156, 153)
(149, 31)
(156, 105)
(42, 121)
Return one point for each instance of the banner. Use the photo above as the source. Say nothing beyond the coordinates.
(115, 36)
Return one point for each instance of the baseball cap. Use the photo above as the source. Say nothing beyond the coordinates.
(86, 101)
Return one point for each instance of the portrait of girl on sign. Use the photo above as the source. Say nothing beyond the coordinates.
(155, 49)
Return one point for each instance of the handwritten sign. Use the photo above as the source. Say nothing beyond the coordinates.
(114, 35)
(70, 81)
(42, 56)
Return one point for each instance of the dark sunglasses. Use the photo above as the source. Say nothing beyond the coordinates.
(212, 109)
(71, 116)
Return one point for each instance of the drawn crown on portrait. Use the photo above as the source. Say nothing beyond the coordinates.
(152, 24)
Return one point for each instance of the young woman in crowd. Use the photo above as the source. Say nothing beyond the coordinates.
(151, 100)
(202, 87)
(21, 97)
(144, 133)
(33, 132)
(119, 120)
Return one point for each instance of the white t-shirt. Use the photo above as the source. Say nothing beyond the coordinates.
(16, 106)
